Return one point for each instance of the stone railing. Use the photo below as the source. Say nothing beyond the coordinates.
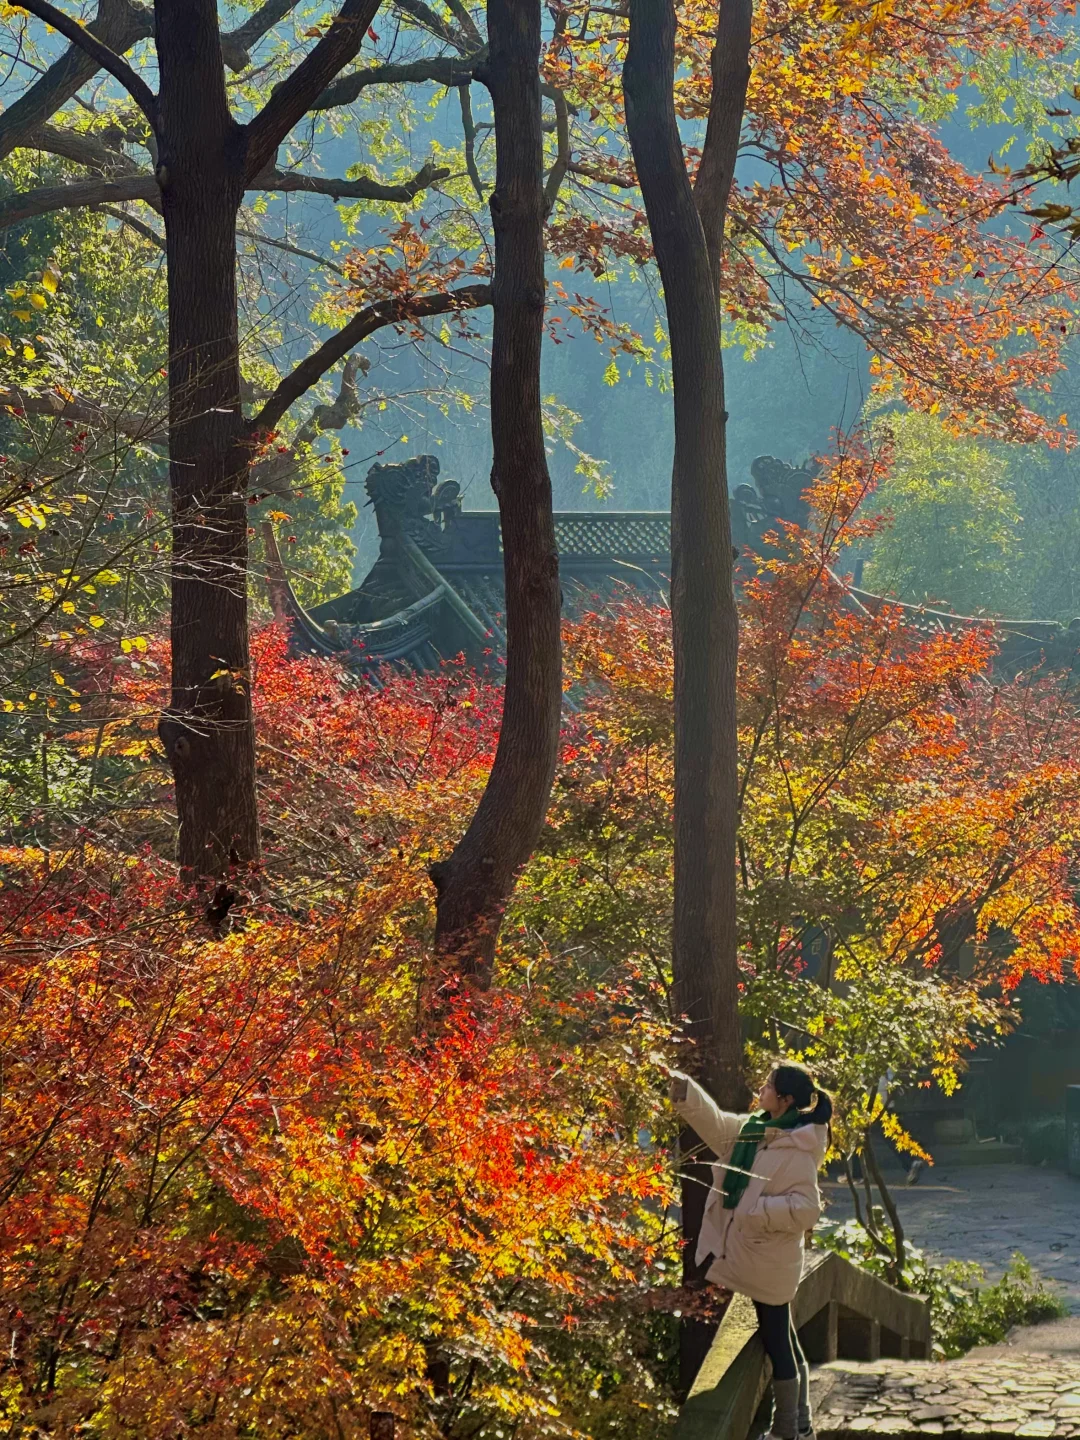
(840, 1312)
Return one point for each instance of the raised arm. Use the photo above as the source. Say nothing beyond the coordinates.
(718, 1128)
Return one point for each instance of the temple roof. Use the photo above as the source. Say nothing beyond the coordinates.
(436, 588)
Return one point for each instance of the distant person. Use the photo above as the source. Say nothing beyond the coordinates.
(764, 1200)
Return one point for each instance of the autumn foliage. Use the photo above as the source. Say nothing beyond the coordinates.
(247, 1189)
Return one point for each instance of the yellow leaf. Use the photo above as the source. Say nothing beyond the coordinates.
(567, 264)
(97, 621)
(23, 315)
(6, 345)
(75, 706)
(68, 607)
(1063, 419)
(38, 301)
(50, 280)
(29, 353)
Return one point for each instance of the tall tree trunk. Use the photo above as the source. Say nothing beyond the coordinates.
(207, 731)
(704, 618)
(475, 882)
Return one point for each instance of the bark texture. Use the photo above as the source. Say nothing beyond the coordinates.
(475, 882)
(207, 731)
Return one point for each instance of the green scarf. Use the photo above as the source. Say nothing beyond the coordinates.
(736, 1175)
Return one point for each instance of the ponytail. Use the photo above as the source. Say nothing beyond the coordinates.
(822, 1112)
(793, 1080)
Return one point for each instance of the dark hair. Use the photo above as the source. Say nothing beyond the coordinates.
(793, 1080)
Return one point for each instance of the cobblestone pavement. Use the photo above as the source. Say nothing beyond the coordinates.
(1028, 1395)
(986, 1213)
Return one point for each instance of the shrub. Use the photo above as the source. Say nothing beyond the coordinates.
(1042, 1139)
(964, 1309)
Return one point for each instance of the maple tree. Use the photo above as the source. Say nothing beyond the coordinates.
(238, 1190)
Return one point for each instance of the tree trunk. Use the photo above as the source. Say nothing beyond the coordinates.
(207, 731)
(704, 620)
(475, 882)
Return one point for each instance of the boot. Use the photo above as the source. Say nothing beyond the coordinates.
(785, 1415)
(806, 1419)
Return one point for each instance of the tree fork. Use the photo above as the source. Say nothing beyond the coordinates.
(474, 883)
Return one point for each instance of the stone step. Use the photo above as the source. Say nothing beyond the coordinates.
(1033, 1396)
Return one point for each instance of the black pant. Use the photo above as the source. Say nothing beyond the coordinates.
(781, 1343)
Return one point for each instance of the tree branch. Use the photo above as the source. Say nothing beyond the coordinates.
(119, 24)
(468, 126)
(106, 58)
(82, 148)
(143, 186)
(611, 177)
(461, 14)
(448, 70)
(287, 181)
(83, 412)
(434, 24)
(290, 101)
(236, 45)
(47, 198)
(257, 238)
(562, 154)
(146, 231)
(364, 323)
(730, 67)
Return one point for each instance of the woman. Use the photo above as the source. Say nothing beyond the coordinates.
(763, 1201)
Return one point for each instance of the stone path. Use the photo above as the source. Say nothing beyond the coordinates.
(986, 1213)
(974, 1398)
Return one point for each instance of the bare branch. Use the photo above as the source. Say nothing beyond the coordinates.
(83, 412)
(434, 24)
(276, 474)
(47, 198)
(256, 237)
(143, 186)
(448, 70)
(119, 24)
(468, 125)
(373, 317)
(106, 58)
(562, 155)
(340, 189)
(236, 45)
(730, 76)
(82, 148)
(461, 14)
(290, 101)
(602, 177)
(146, 231)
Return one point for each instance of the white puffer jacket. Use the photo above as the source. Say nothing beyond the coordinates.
(758, 1247)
